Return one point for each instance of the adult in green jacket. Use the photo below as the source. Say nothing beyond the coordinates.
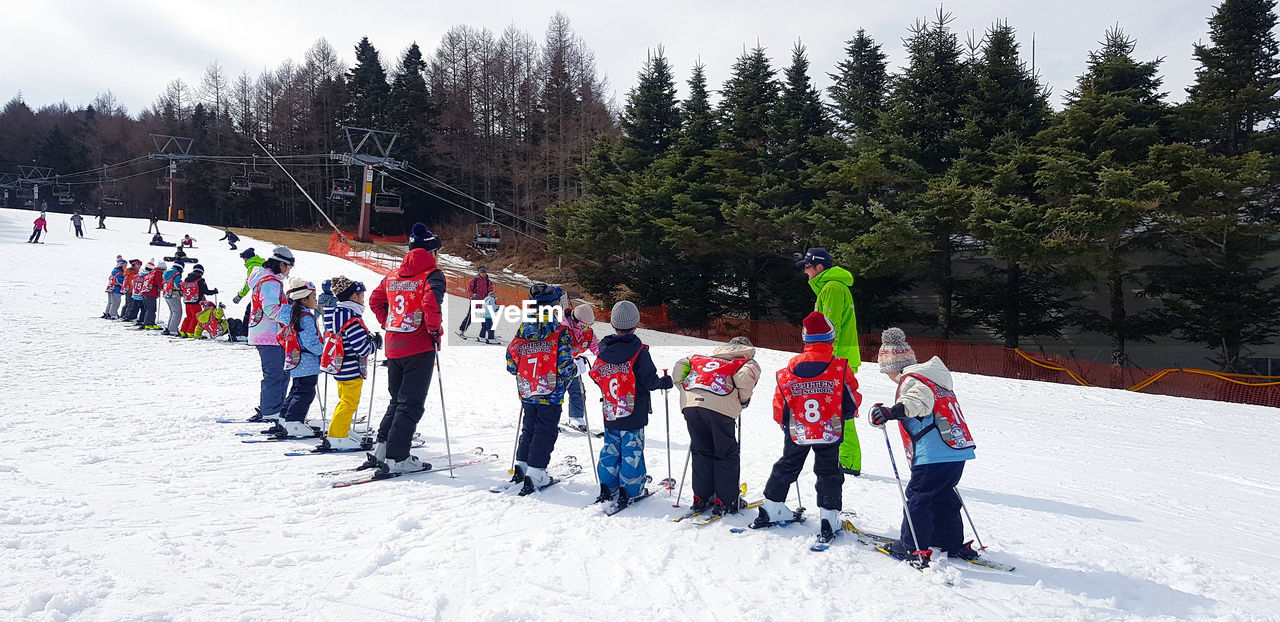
(251, 262)
(831, 286)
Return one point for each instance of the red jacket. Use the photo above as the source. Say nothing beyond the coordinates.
(154, 281)
(479, 287)
(418, 264)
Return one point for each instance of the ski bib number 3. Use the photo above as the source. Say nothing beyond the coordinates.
(405, 308)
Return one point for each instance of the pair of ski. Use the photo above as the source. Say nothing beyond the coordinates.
(697, 518)
(465, 460)
(613, 507)
(579, 431)
(564, 469)
(882, 543)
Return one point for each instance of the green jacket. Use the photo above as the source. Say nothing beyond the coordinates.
(836, 302)
(256, 262)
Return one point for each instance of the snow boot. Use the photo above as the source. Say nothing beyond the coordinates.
(900, 551)
(699, 504)
(772, 512)
(578, 424)
(372, 460)
(409, 465)
(534, 479)
(606, 495)
(623, 499)
(830, 524)
(521, 467)
(853, 472)
(345, 443)
(297, 429)
(965, 552)
(733, 507)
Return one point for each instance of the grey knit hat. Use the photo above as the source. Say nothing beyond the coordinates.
(625, 315)
(895, 353)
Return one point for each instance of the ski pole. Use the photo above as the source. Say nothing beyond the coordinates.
(687, 456)
(971, 525)
(590, 449)
(324, 400)
(516, 445)
(903, 493)
(373, 383)
(670, 482)
(443, 416)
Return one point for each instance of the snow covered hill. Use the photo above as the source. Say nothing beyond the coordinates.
(122, 499)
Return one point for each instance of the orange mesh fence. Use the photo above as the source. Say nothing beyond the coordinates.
(984, 359)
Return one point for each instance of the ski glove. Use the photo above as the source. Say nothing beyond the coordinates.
(377, 340)
(881, 415)
(580, 362)
(665, 382)
(235, 299)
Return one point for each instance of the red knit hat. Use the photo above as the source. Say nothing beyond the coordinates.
(818, 328)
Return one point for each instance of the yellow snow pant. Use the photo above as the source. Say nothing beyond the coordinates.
(348, 401)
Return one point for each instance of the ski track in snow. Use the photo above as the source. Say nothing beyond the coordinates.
(120, 498)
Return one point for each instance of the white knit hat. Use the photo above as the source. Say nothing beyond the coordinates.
(895, 353)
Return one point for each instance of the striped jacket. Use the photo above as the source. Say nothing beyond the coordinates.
(356, 344)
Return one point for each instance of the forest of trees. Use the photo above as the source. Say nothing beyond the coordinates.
(953, 175)
(499, 117)
(957, 158)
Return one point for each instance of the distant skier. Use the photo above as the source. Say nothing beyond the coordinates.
(713, 391)
(156, 240)
(625, 373)
(154, 223)
(407, 303)
(40, 226)
(816, 394)
(188, 241)
(579, 321)
(102, 218)
(270, 311)
(230, 237)
(172, 294)
(77, 221)
(357, 343)
(541, 358)
(937, 443)
(115, 285)
(477, 289)
(300, 340)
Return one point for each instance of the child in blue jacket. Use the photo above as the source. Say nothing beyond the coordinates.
(306, 375)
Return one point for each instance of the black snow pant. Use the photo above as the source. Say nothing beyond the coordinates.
(79, 232)
(35, 236)
(148, 311)
(826, 465)
(466, 320)
(134, 310)
(935, 506)
(102, 222)
(714, 453)
(408, 379)
(538, 434)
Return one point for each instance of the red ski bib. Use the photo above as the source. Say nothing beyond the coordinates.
(212, 326)
(617, 382)
(947, 419)
(139, 283)
(332, 355)
(404, 304)
(255, 303)
(712, 374)
(288, 339)
(190, 292)
(536, 364)
(815, 404)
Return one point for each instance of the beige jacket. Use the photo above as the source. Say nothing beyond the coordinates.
(914, 396)
(744, 382)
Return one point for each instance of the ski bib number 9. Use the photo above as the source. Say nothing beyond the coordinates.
(712, 374)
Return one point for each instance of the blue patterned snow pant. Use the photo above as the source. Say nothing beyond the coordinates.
(622, 460)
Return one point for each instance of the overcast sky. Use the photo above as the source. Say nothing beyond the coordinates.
(55, 50)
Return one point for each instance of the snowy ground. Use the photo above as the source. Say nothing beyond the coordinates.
(121, 499)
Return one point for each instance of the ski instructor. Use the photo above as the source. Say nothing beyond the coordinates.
(831, 285)
(407, 304)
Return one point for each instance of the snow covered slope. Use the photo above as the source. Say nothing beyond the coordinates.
(120, 498)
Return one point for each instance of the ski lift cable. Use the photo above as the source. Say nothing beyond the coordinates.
(494, 208)
(341, 236)
(429, 193)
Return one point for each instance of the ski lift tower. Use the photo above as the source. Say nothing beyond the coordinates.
(175, 149)
(369, 149)
(34, 176)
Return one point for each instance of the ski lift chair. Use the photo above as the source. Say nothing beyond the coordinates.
(387, 203)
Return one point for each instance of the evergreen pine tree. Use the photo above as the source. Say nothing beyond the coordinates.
(368, 89)
(1237, 81)
(651, 117)
(859, 85)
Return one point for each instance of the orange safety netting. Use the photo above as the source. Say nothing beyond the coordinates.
(984, 359)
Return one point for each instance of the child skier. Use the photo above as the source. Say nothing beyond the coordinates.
(172, 294)
(151, 287)
(77, 221)
(188, 241)
(193, 290)
(356, 344)
(41, 225)
(625, 373)
(129, 311)
(407, 303)
(579, 322)
(816, 393)
(713, 391)
(327, 303)
(115, 283)
(937, 443)
(300, 340)
(490, 313)
(540, 357)
(137, 309)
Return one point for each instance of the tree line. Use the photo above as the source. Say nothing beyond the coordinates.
(956, 159)
(500, 117)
